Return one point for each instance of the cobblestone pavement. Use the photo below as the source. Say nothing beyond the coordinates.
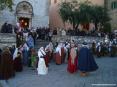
(58, 76)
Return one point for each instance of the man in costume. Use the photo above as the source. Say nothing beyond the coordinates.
(86, 62)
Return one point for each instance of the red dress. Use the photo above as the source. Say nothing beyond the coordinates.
(63, 54)
(72, 68)
(18, 67)
(46, 59)
(58, 58)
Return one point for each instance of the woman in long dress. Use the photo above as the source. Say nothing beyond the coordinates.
(73, 59)
(6, 65)
(42, 69)
(18, 66)
(25, 53)
(58, 57)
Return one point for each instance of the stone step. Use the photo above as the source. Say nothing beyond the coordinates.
(40, 43)
(7, 39)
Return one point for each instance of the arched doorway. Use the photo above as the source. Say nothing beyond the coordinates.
(24, 13)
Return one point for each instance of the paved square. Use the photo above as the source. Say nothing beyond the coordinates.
(105, 76)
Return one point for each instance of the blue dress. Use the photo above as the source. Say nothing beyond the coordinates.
(30, 42)
(86, 62)
(25, 56)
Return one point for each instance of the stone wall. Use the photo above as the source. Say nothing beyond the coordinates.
(77, 39)
(7, 39)
(40, 17)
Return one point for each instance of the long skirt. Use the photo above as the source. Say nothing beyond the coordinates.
(58, 59)
(46, 60)
(42, 69)
(6, 67)
(86, 61)
(18, 67)
(25, 57)
(33, 61)
(63, 54)
(72, 68)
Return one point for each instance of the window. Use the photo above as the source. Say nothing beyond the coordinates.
(114, 5)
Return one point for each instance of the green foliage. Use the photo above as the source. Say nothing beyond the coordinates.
(107, 28)
(83, 13)
(6, 4)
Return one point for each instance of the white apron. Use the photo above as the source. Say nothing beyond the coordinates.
(42, 69)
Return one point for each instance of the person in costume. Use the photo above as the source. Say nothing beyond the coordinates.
(99, 50)
(67, 49)
(42, 69)
(86, 62)
(30, 42)
(63, 52)
(25, 52)
(73, 59)
(49, 51)
(6, 65)
(93, 48)
(18, 66)
(58, 58)
(33, 58)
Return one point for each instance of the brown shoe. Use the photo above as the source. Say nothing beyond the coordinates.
(83, 74)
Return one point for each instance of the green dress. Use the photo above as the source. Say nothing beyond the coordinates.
(33, 60)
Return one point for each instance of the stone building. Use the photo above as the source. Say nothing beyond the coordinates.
(111, 5)
(55, 19)
(30, 13)
(45, 13)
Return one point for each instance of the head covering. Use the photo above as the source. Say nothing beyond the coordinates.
(41, 52)
(84, 43)
(58, 49)
(72, 43)
(15, 53)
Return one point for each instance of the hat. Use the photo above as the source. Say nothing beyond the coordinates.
(84, 43)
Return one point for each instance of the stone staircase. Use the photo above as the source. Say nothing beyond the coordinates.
(40, 43)
(7, 39)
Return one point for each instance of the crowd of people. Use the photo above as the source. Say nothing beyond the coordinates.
(13, 59)
(78, 58)
(6, 28)
(107, 48)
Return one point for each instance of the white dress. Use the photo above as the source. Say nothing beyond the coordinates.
(41, 69)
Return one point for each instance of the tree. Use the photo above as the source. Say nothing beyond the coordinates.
(99, 15)
(83, 13)
(6, 4)
(75, 12)
(69, 12)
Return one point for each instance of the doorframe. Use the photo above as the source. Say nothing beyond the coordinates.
(30, 21)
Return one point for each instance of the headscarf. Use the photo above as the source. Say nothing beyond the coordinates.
(41, 52)
(51, 46)
(30, 41)
(15, 53)
(58, 49)
(25, 46)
